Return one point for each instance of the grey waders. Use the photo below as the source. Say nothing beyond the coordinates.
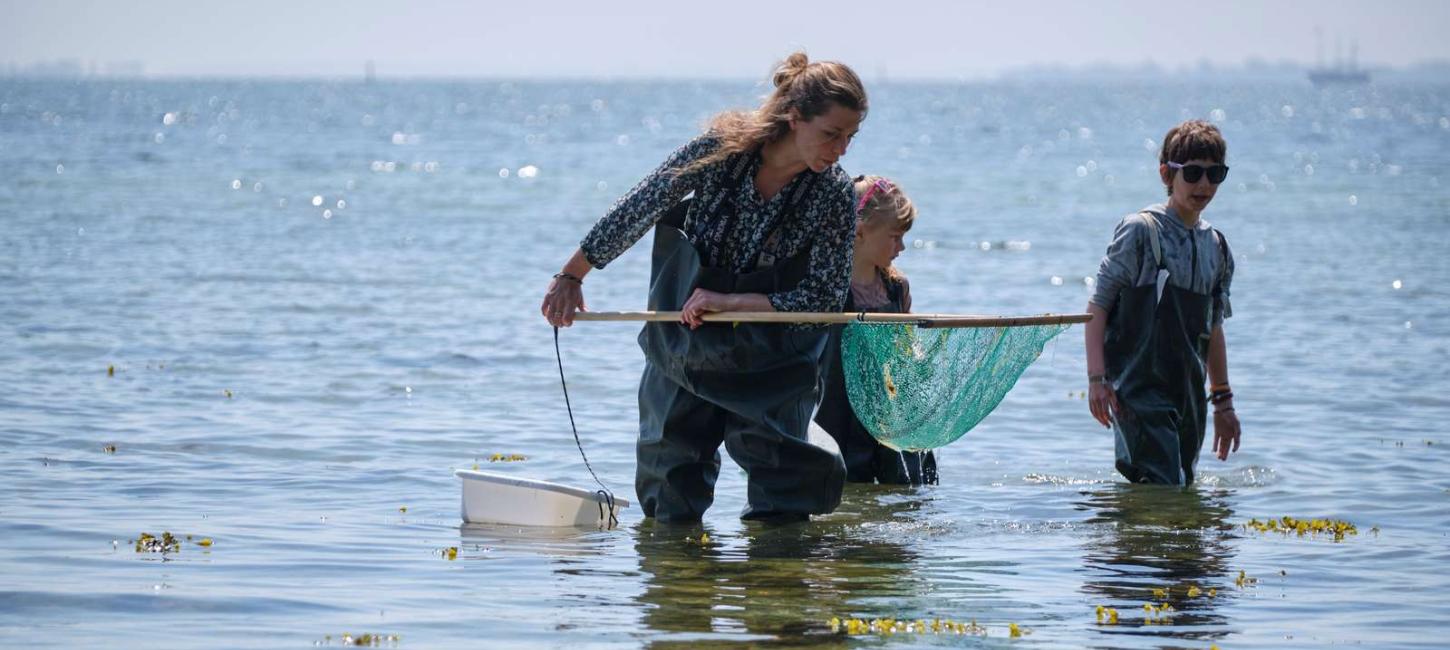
(749, 386)
(1156, 344)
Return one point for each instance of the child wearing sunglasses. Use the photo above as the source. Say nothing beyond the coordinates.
(1156, 338)
(883, 216)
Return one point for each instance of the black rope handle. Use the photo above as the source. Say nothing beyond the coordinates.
(607, 497)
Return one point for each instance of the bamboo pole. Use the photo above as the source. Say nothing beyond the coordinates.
(920, 320)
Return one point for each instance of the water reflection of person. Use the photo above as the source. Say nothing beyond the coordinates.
(777, 584)
(1159, 537)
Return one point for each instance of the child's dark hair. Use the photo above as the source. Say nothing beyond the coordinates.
(1192, 140)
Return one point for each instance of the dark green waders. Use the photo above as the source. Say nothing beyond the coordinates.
(867, 460)
(749, 386)
(1157, 353)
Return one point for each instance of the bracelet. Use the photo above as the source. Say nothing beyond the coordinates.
(568, 276)
(1097, 379)
(1219, 388)
(1224, 410)
(1217, 398)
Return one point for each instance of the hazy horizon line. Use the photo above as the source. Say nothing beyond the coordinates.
(73, 68)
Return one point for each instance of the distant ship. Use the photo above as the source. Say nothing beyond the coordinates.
(1338, 76)
(1344, 72)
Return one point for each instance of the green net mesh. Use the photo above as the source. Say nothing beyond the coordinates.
(920, 388)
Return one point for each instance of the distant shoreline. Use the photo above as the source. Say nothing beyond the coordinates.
(1426, 71)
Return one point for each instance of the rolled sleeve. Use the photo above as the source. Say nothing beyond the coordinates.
(639, 209)
(1120, 266)
(828, 269)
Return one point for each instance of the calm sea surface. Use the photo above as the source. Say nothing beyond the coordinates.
(319, 299)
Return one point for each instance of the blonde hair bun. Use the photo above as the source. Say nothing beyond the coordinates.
(790, 68)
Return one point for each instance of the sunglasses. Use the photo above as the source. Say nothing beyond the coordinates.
(1191, 173)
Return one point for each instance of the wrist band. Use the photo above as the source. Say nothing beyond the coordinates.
(1097, 379)
(568, 276)
(1218, 398)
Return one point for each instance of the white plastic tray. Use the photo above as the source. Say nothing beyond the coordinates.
(502, 499)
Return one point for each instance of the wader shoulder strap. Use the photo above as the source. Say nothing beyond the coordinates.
(735, 166)
(1222, 261)
(1152, 222)
(738, 178)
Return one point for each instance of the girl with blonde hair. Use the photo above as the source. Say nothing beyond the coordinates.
(884, 215)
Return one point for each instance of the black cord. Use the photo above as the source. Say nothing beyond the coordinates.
(607, 496)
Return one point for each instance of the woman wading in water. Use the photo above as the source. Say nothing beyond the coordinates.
(769, 228)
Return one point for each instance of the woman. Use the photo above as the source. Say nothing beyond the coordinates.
(769, 228)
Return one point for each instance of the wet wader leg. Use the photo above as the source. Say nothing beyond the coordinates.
(1150, 445)
(678, 453)
(1190, 436)
(893, 467)
(788, 477)
(860, 459)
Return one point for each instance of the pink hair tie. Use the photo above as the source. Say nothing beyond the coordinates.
(881, 184)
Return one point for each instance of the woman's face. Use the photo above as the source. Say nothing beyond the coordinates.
(823, 139)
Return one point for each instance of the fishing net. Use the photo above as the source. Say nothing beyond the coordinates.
(918, 388)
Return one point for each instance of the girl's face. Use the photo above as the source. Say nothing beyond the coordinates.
(1188, 197)
(823, 139)
(879, 241)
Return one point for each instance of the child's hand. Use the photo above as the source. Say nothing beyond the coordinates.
(1225, 431)
(1103, 402)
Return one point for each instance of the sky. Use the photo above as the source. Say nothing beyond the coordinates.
(682, 39)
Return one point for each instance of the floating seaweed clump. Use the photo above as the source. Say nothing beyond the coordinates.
(507, 458)
(890, 626)
(1301, 527)
(1244, 580)
(148, 543)
(364, 640)
(1160, 614)
(1107, 616)
(1190, 591)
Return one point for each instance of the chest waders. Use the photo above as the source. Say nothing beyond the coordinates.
(1156, 346)
(749, 386)
(867, 460)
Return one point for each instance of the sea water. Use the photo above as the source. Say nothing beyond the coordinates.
(277, 315)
